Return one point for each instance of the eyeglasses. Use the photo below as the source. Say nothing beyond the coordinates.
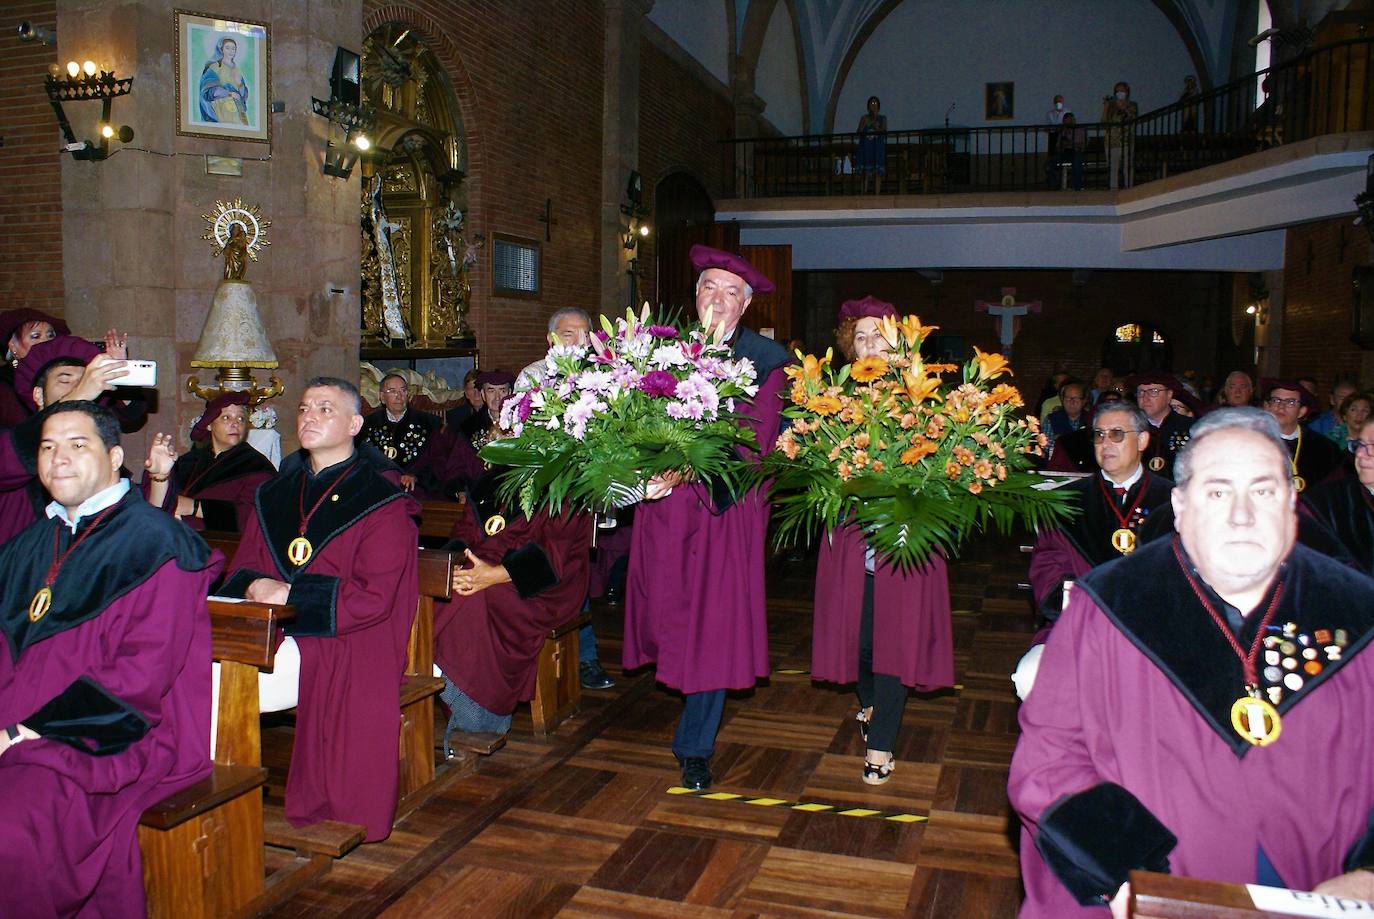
(1360, 446)
(1288, 403)
(1115, 435)
(1152, 392)
(393, 392)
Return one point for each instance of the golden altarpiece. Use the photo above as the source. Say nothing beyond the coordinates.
(416, 248)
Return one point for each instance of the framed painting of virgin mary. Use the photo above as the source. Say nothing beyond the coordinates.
(223, 77)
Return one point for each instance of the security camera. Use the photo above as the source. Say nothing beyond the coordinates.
(30, 32)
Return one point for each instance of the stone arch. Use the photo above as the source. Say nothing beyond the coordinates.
(757, 18)
(1170, 8)
(439, 44)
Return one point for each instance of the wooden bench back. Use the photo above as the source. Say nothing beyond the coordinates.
(1166, 896)
(436, 583)
(243, 639)
(438, 518)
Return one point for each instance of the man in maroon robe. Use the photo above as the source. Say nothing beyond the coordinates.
(104, 678)
(1204, 704)
(695, 601)
(333, 536)
(523, 577)
(66, 368)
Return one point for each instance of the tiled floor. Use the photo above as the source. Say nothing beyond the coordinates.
(584, 825)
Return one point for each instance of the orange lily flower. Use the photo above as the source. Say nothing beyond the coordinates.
(990, 365)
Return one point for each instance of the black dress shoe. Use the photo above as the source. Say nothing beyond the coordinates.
(593, 676)
(696, 774)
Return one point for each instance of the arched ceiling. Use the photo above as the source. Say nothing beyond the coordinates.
(830, 32)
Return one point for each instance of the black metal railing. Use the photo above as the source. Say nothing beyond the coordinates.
(1329, 90)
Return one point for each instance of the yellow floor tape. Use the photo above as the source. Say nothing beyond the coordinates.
(812, 807)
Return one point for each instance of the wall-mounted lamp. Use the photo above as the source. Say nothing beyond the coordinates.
(349, 120)
(85, 82)
(1364, 201)
(638, 229)
(41, 34)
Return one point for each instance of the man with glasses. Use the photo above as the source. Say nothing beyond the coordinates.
(1205, 708)
(1312, 457)
(399, 431)
(1121, 507)
(1153, 392)
(1326, 422)
(1345, 505)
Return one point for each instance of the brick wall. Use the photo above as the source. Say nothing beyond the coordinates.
(1317, 302)
(529, 86)
(1190, 309)
(682, 121)
(31, 205)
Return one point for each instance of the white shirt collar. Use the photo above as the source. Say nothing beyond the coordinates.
(92, 505)
(1297, 432)
(395, 418)
(1130, 481)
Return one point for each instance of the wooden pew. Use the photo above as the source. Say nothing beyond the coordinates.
(203, 846)
(1165, 896)
(416, 752)
(558, 684)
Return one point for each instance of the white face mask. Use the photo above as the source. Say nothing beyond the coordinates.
(1121, 96)
(1059, 106)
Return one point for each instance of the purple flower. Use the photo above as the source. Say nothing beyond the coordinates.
(658, 383)
(662, 331)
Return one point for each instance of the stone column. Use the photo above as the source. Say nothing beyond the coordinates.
(619, 142)
(132, 253)
(1269, 335)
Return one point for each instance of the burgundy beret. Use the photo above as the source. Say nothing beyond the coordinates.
(704, 257)
(12, 321)
(494, 378)
(868, 306)
(1269, 384)
(1155, 377)
(213, 409)
(42, 355)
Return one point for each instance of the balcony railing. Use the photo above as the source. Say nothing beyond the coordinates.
(1329, 90)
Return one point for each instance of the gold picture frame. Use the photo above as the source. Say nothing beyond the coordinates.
(223, 77)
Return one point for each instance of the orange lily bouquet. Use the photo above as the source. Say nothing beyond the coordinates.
(918, 463)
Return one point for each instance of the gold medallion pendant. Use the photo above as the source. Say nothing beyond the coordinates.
(1123, 541)
(1256, 720)
(40, 604)
(495, 524)
(390, 451)
(1299, 483)
(1157, 464)
(299, 551)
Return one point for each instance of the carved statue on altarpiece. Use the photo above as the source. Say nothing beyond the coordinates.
(388, 319)
(450, 260)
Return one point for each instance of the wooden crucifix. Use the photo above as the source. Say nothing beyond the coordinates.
(1008, 313)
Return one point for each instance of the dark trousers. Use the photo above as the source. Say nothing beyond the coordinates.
(696, 729)
(883, 691)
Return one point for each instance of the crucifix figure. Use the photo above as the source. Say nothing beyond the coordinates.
(1008, 313)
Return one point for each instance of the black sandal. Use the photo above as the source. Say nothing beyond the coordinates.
(878, 773)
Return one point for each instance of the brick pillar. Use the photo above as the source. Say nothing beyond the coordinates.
(131, 225)
(619, 143)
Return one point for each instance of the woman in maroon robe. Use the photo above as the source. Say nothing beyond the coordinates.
(527, 577)
(212, 486)
(20, 330)
(875, 625)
